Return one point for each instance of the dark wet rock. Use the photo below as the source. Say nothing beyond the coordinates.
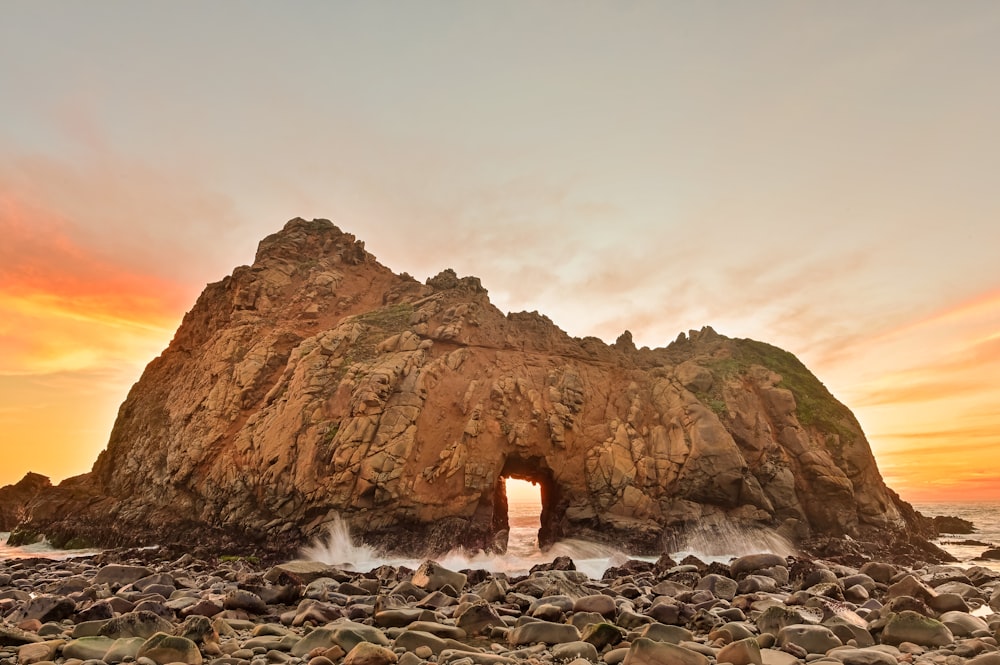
(602, 635)
(950, 524)
(478, 618)
(48, 608)
(774, 618)
(241, 599)
(879, 571)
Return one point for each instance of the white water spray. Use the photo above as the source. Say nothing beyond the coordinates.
(339, 549)
(720, 540)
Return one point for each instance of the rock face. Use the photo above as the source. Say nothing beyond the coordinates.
(317, 383)
(14, 499)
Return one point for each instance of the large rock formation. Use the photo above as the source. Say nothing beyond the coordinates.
(317, 383)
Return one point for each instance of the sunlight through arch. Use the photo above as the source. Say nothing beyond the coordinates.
(524, 511)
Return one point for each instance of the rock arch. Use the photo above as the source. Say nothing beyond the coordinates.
(553, 507)
(317, 384)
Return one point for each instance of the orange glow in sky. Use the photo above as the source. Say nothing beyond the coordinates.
(522, 491)
(75, 331)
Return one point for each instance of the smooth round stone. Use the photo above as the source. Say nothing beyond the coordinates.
(597, 603)
(776, 617)
(120, 574)
(125, 648)
(241, 599)
(848, 630)
(814, 639)
(659, 632)
(741, 652)
(87, 648)
(548, 612)
(647, 652)
(757, 583)
(432, 576)
(38, 652)
(909, 626)
(948, 602)
(544, 631)
(719, 585)
(616, 656)
(879, 571)
(851, 656)
(573, 650)
(478, 618)
(753, 562)
(163, 649)
(963, 624)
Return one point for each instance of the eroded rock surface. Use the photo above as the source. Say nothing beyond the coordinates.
(317, 383)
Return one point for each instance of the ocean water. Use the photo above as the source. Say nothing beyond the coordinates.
(716, 542)
(37, 550)
(985, 517)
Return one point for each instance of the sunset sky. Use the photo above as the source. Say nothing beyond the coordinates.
(821, 176)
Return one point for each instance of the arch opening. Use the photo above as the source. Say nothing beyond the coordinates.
(524, 515)
(535, 502)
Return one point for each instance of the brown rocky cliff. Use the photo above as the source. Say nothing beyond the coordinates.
(317, 383)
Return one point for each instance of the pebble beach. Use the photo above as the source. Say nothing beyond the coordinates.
(142, 607)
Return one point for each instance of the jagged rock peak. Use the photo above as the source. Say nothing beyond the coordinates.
(449, 279)
(301, 239)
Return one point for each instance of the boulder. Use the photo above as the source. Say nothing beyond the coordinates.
(741, 652)
(366, 653)
(432, 576)
(811, 638)
(135, 624)
(648, 652)
(909, 626)
(545, 632)
(163, 649)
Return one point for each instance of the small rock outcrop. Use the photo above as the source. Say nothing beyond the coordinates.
(14, 499)
(317, 384)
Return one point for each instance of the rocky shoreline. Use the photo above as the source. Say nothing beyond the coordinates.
(150, 609)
